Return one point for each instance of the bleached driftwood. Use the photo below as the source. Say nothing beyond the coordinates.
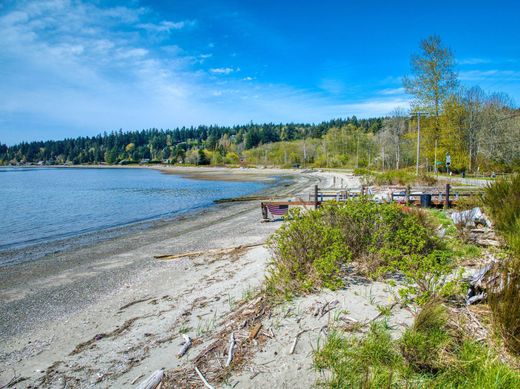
(231, 349)
(206, 383)
(185, 346)
(153, 381)
(214, 251)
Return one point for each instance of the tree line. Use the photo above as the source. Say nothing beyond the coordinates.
(195, 145)
(472, 130)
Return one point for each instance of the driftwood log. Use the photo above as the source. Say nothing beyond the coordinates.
(153, 381)
(185, 346)
(226, 250)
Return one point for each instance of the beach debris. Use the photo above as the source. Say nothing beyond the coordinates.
(206, 383)
(136, 379)
(231, 350)
(295, 341)
(255, 330)
(185, 346)
(482, 281)
(227, 250)
(470, 218)
(135, 302)
(153, 381)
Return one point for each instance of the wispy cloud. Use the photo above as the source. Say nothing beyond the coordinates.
(166, 26)
(492, 74)
(226, 70)
(473, 61)
(392, 91)
(71, 68)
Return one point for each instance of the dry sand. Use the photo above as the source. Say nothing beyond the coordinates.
(104, 315)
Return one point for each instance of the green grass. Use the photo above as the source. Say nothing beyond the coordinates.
(428, 355)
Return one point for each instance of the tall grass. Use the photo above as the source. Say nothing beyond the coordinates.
(431, 354)
(502, 202)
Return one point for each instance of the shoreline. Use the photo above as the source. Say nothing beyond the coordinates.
(116, 289)
(24, 252)
(17, 278)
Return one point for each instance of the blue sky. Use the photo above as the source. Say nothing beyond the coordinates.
(70, 68)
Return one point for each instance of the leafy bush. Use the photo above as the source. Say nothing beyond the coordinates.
(307, 254)
(362, 172)
(428, 355)
(310, 248)
(394, 177)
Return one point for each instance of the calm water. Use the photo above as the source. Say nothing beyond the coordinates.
(40, 205)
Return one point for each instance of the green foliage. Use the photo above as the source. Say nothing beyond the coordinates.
(502, 202)
(307, 254)
(310, 248)
(372, 362)
(504, 303)
(428, 355)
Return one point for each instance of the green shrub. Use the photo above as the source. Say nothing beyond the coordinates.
(307, 254)
(310, 248)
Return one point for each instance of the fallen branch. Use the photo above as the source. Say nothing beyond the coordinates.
(328, 307)
(206, 383)
(214, 251)
(293, 347)
(136, 379)
(231, 350)
(185, 346)
(153, 381)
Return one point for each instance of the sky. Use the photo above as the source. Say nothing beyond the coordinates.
(79, 68)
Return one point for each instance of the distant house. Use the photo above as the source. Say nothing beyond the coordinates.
(145, 160)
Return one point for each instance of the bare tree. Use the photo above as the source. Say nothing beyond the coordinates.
(394, 127)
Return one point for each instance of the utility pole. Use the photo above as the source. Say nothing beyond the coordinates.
(357, 150)
(418, 140)
(435, 162)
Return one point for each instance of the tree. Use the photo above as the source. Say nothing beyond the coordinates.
(394, 128)
(434, 78)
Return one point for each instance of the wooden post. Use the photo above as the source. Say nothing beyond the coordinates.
(333, 181)
(315, 196)
(407, 195)
(264, 211)
(447, 199)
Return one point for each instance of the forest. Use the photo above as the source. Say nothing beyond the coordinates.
(446, 124)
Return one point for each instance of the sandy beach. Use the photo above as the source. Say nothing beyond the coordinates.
(109, 314)
(51, 305)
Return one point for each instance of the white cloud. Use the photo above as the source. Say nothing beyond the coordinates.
(166, 26)
(492, 74)
(392, 91)
(224, 70)
(473, 61)
(72, 68)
